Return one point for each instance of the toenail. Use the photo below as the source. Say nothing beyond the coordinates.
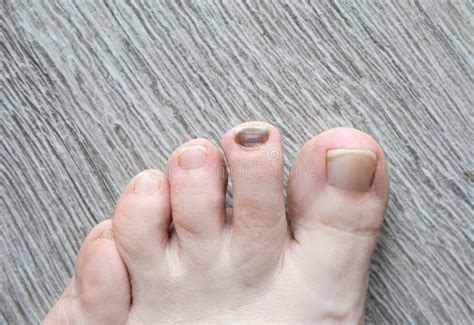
(192, 157)
(251, 136)
(108, 234)
(147, 183)
(351, 170)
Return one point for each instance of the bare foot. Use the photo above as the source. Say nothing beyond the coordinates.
(173, 254)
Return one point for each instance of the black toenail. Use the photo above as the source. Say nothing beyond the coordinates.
(251, 136)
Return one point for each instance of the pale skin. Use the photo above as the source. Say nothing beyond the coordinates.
(173, 253)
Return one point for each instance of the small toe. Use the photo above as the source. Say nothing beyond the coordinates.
(100, 291)
(198, 181)
(254, 154)
(142, 219)
(337, 194)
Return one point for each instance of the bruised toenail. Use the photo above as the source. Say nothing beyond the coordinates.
(107, 234)
(251, 136)
(351, 170)
(147, 183)
(192, 157)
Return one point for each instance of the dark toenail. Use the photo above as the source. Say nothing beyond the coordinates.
(351, 170)
(251, 136)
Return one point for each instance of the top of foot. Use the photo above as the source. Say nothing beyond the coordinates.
(174, 253)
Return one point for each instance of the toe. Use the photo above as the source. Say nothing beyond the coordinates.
(337, 195)
(100, 291)
(340, 180)
(198, 181)
(255, 157)
(141, 221)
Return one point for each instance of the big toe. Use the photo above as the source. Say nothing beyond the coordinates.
(338, 192)
(99, 293)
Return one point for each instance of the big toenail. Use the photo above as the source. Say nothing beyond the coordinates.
(351, 170)
(192, 157)
(251, 136)
(107, 234)
(147, 183)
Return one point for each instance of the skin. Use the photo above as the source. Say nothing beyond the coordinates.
(173, 253)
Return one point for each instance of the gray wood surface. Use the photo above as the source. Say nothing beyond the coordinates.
(93, 92)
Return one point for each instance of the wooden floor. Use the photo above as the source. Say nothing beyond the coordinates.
(93, 92)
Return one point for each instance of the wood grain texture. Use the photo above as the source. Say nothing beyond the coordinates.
(93, 92)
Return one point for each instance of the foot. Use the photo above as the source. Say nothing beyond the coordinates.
(172, 253)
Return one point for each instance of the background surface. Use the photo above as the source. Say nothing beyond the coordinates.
(92, 93)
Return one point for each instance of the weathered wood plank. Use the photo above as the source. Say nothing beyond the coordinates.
(92, 93)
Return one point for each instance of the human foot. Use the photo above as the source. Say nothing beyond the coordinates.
(173, 254)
